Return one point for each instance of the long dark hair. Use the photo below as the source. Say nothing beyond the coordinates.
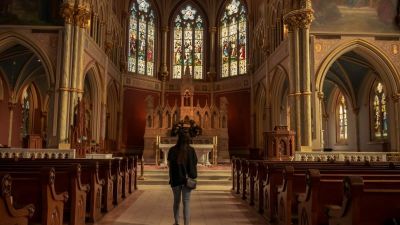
(183, 144)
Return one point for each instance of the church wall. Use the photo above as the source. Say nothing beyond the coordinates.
(238, 120)
(134, 116)
(16, 128)
(4, 115)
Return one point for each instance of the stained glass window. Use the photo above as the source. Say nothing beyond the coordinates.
(342, 118)
(233, 39)
(141, 38)
(188, 43)
(380, 123)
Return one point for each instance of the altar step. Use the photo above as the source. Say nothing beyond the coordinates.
(208, 179)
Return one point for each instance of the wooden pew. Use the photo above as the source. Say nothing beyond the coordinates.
(323, 189)
(75, 207)
(8, 214)
(259, 186)
(118, 185)
(37, 188)
(365, 206)
(294, 183)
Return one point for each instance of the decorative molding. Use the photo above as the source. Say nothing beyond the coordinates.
(67, 12)
(301, 18)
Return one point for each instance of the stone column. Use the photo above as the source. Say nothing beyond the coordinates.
(67, 11)
(83, 17)
(298, 22)
(294, 74)
(164, 68)
(356, 112)
(306, 19)
(11, 106)
(213, 72)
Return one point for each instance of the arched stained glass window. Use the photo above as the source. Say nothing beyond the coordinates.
(141, 38)
(188, 43)
(342, 118)
(233, 39)
(380, 123)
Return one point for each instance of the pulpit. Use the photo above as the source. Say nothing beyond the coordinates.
(34, 141)
(279, 144)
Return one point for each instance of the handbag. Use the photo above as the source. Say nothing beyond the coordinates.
(190, 183)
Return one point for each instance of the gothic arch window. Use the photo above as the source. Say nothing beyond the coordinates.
(142, 31)
(341, 119)
(188, 38)
(233, 39)
(379, 112)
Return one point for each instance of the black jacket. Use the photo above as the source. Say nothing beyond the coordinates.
(177, 172)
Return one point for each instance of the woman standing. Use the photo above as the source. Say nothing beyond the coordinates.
(182, 161)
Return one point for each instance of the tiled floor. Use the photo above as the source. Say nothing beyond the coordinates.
(208, 207)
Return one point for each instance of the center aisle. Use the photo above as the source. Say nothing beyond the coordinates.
(154, 207)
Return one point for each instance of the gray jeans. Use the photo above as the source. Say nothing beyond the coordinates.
(185, 193)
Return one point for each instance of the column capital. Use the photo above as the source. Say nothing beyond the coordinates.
(165, 29)
(212, 75)
(81, 15)
(396, 97)
(212, 29)
(67, 12)
(107, 46)
(12, 105)
(321, 95)
(164, 75)
(301, 18)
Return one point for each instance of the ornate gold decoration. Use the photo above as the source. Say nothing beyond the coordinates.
(395, 49)
(318, 47)
(107, 46)
(81, 16)
(67, 12)
(301, 18)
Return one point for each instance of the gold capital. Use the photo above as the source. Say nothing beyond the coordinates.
(67, 12)
(301, 18)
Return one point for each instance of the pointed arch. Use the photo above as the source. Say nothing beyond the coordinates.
(142, 37)
(371, 53)
(233, 38)
(279, 97)
(260, 115)
(112, 115)
(188, 40)
(93, 89)
(10, 39)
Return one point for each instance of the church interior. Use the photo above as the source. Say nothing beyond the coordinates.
(304, 89)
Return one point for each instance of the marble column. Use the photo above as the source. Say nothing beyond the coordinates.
(11, 107)
(298, 22)
(164, 68)
(83, 19)
(213, 72)
(306, 84)
(67, 11)
(294, 74)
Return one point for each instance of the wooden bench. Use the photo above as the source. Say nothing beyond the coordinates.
(365, 206)
(326, 189)
(8, 214)
(75, 207)
(37, 188)
(294, 183)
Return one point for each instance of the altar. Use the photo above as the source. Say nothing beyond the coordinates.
(202, 151)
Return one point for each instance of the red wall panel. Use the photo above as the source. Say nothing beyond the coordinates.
(238, 118)
(134, 118)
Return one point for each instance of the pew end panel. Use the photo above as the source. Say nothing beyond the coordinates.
(8, 214)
